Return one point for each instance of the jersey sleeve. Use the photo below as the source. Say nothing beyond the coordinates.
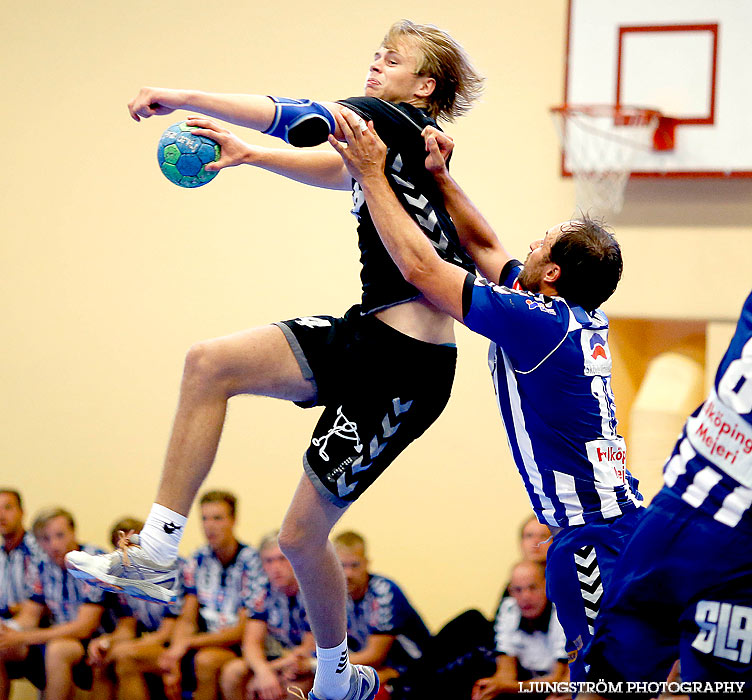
(188, 577)
(386, 608)
(174, 609)
(391, 122)
(527, 326)
(256, 606)
(37, 587)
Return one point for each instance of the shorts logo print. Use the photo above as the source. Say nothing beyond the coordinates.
(343, 428)
(591, 587)
(375, 447)
(724, 630)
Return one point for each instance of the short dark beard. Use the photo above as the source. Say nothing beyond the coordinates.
(527, 284)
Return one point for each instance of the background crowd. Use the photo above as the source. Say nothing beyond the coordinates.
(239, 630)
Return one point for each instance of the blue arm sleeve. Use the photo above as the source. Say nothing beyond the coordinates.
(300, 123)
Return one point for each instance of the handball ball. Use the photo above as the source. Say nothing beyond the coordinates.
(182, 156)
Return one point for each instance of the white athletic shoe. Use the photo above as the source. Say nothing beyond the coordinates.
(364, 684)
(126, 570)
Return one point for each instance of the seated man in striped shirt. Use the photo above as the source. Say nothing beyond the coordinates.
(53, 658)
(209, 629)
(384, 630)
(18, 554)
(142, 632)
(278, 645)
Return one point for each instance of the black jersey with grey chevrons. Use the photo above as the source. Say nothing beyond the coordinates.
(400, 126)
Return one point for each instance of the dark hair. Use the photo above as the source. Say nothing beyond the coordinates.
(590, 260)
(15, 494)
(220, 497)
(125, 524)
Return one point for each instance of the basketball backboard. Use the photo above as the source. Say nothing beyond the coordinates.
(688, 59)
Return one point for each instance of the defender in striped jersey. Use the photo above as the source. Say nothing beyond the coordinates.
(684, 585)
(551, 367)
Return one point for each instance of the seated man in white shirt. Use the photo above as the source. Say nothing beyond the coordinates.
(529, 638)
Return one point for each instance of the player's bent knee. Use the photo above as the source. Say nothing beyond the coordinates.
(204, 369)
(198, 360)
(296, 542)
(208, 663)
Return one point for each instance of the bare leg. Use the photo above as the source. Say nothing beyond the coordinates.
(130, 666)
(60, 656)
(304, 539)
(258, 361)
(233, 679)
(102, 687)
(208, 664)
(16, 653)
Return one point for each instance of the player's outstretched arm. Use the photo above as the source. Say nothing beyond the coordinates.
(298, 122)
(475, 233)
(311, 167)
(253, 111)
(365, 155)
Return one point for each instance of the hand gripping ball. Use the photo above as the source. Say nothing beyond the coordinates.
(182, 156)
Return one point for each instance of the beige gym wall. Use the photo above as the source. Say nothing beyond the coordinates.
(109, 272)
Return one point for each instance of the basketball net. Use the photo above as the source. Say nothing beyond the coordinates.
(599, 144)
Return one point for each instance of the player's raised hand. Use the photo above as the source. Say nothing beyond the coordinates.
(439, 146)
(365, 153)
(234, 151)
(151, 101)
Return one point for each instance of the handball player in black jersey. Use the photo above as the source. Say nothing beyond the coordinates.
(383, 372)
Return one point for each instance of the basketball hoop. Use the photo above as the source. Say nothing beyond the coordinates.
(599, 143)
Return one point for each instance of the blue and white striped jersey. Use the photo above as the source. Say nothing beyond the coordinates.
(63, 593)
(711, 465)
(17, 573)
(220, 589)
(384, 609)
(551, 368)
(284, 615)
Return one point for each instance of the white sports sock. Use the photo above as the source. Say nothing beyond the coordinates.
(161, 535)
(332, 680)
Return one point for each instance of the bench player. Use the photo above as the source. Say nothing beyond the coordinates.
(419, 74)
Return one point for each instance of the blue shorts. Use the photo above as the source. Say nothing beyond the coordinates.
(579, 569)
(683, 589)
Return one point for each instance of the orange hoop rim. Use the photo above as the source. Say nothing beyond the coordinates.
(629, 113)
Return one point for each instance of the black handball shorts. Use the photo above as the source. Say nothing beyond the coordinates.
(381, 390)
